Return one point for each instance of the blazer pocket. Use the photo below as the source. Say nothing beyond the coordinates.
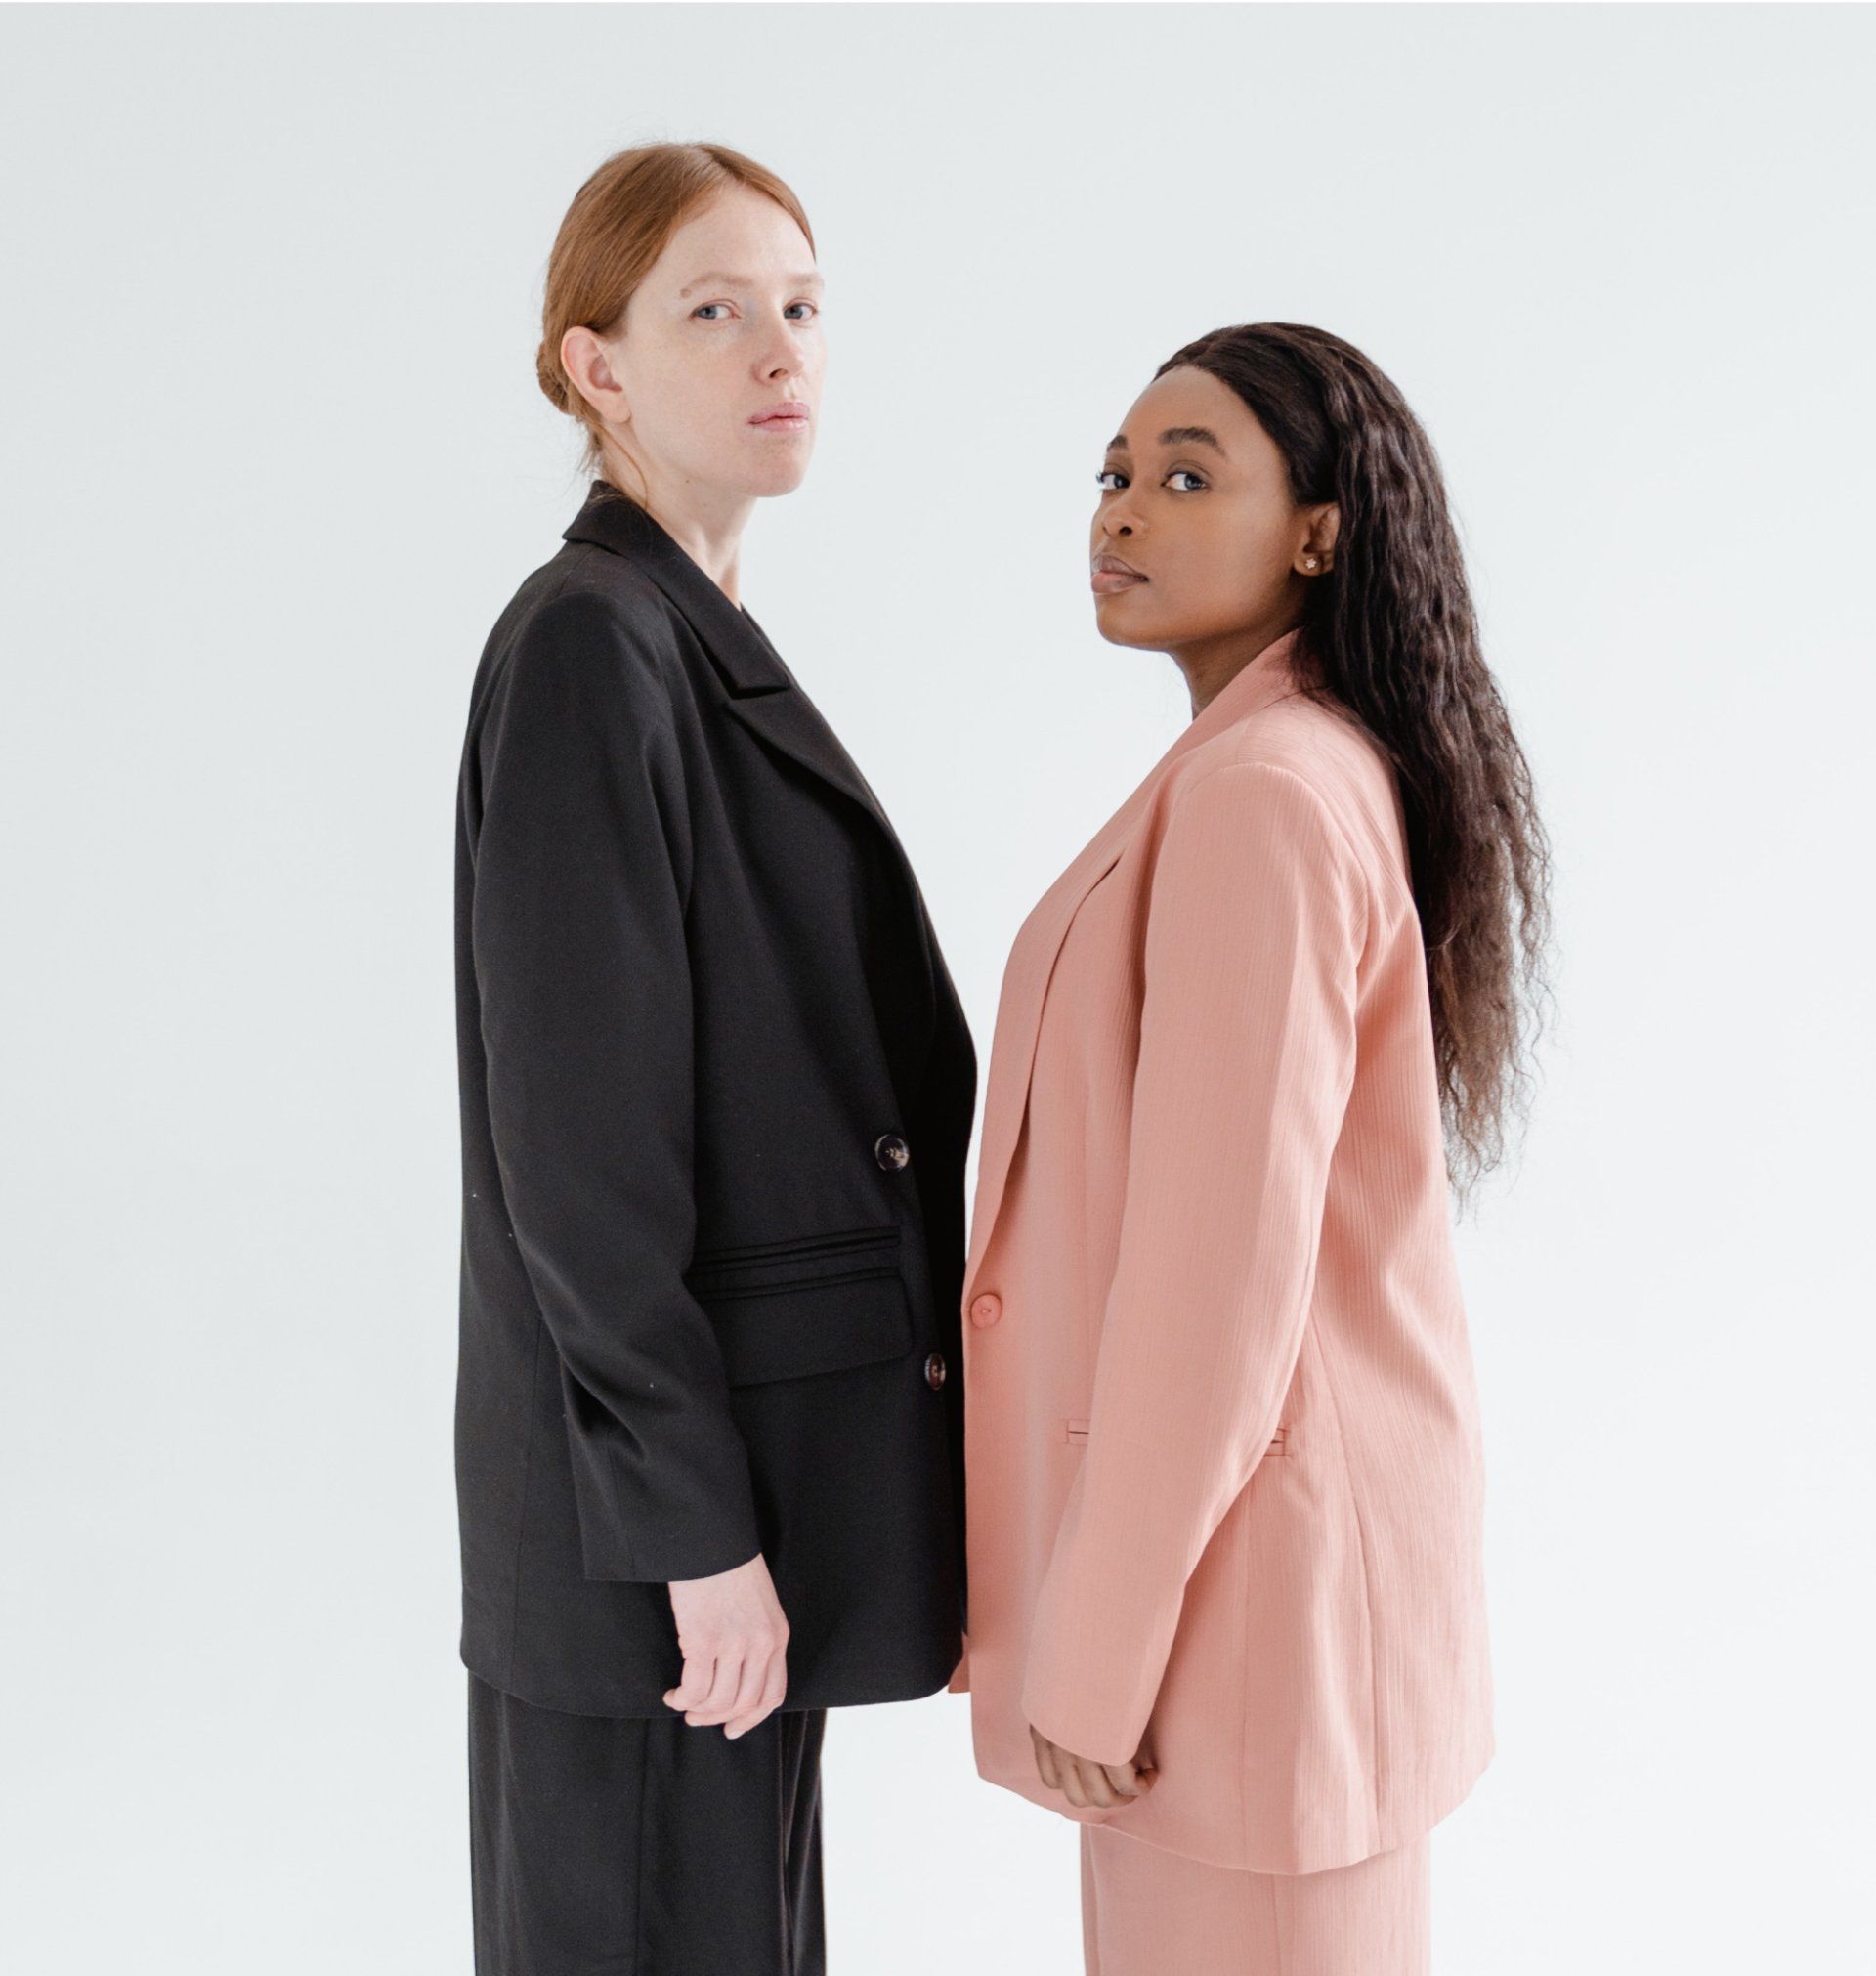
(1077, 1433)
(760, 1268)
(789, 1311)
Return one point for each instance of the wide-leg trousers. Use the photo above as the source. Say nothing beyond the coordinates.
(1149, 1913)
(601, 1846)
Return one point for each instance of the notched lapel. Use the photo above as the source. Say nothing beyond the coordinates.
(1031, 960)
(759, 690)
(1019, 1020)
(755, 686)
(789, 720)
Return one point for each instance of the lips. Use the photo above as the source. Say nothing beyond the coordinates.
(1112, 574)
(790, 415)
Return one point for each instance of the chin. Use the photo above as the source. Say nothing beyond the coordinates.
(784, 477)
(1112, 626)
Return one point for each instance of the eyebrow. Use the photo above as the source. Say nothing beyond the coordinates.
(1177, 435)
(811, 280)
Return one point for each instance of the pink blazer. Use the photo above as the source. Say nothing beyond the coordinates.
(1221, 1432)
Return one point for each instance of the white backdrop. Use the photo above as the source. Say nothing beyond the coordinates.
(274, 457)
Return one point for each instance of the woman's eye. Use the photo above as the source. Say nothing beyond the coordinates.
(809, 306)
(709, 305)
(1185, 473)
(1110, 478)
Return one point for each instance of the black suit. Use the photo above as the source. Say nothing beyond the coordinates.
(716, 1093)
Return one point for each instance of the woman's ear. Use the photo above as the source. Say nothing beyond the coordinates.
(1318, 556)
(589, 365)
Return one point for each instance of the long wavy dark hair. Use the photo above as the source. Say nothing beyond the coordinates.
(1392, 638)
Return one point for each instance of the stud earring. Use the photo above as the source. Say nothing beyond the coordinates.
(1309, 562)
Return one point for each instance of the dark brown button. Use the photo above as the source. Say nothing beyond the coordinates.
(935, 1371)
(892, 1152)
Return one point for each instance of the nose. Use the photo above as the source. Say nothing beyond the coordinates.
(1117, 522)
(784, 359)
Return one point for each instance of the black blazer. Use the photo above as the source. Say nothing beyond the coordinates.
(716, 1093)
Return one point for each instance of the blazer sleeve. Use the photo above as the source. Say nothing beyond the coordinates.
(582, 874)
(1255, 920)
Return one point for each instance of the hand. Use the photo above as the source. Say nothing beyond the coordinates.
(734, 1637)
(1086, 1784)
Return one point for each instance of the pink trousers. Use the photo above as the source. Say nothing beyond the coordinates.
(1150, 1912)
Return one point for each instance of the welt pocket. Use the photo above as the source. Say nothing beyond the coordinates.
(765, 1268)
(1076, 1433)
(797, 1330)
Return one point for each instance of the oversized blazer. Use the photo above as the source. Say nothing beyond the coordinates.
(716, 1096)
(1222, 1442)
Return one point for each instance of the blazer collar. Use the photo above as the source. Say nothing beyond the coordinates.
(735, 643)
(1268, 677)
(763, 695)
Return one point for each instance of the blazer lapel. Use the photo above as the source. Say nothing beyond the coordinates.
(1032, 956)
(1019, 1019)
(759, 690)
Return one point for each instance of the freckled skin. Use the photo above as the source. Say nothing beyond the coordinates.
(694, 357)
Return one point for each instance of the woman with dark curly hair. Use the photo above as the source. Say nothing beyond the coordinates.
(1224, 1471)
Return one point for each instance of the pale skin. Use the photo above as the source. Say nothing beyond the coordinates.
(1195, 500)
(725, 327)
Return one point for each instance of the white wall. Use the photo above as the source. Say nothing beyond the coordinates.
(274, 460)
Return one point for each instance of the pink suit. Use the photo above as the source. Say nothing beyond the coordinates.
(1221, 1433)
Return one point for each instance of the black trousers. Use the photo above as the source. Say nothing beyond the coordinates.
(609, 1846)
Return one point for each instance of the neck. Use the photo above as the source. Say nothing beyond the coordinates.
(1210, 665)
(707, 523)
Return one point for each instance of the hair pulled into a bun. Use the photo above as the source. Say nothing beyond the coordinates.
(619, 222)
(551, 378)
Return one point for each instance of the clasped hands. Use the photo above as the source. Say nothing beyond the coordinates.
(1086, 1785)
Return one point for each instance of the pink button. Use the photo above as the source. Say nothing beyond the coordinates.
(987, 1308)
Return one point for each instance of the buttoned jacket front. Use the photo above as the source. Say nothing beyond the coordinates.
(1224, 1471)
(716, 1096)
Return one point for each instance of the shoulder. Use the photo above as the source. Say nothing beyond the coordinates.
(1306, 766)
(587, 628)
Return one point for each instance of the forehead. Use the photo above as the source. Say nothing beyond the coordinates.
(1186, 397)
(740, 235)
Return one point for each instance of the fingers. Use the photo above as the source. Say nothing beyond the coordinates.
(707, 1686)
(771, 1693)
(718, 1703)
(733, 1636)
(751, 1677)
(694, 1684)
(736, 1693)
(749, 1691)
(1086, 1785)
(1046, 1765)
(1099, 1794)
(1077, 1785)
